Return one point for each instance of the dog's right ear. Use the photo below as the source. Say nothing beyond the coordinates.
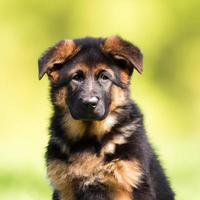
(57, 54)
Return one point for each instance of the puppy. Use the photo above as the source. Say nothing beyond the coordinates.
(98, 148)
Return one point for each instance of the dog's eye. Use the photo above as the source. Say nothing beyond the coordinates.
(103, 76)
(77, 77)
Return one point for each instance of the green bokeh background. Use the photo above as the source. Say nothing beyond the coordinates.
(168, 92)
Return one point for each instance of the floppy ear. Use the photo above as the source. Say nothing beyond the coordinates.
(57, 54)
(124, 50)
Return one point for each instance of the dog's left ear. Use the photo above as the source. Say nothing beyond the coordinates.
(123, 50)
(57, 54)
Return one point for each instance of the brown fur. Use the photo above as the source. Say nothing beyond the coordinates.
(100, 67)
(59, 98)
(120, 194)
(57, 173)
(128, 175)
(126, 172)
(67, 194)
(124, 76)
(53, 75)
(75, 128)
(64, 49)
(119, 175)
(119, 97)
(63, 175)
(100, 128)
(112, 43)
(116, 46)
(110, 146)
(57, 54)
(80, 66)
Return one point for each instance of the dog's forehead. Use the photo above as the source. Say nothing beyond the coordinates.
(90, 58)
(90, 54)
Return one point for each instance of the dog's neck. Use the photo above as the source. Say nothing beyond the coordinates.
(75, 129)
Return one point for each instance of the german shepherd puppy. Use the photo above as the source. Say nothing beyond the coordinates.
(98, 148)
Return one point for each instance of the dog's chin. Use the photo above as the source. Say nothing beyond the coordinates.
(90, 119)
(89, 115)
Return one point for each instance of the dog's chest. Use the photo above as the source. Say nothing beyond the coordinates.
(85, 165)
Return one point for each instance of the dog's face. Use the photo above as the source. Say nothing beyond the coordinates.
(88, 77)
(88, 69)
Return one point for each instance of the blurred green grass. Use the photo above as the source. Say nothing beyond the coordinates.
(168, 92)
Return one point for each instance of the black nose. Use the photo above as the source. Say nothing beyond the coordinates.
(90, 102)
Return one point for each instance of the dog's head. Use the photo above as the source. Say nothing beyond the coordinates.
(88, 75)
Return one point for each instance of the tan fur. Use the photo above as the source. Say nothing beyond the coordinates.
(122, 177)
(128, 174)
(75, 128)
(124, 76)
(63, 176)
(84, 164)
(110, 146)
(56, 172)
(67, 194)
(112, 42)
(64, 49)
(119, 175)
(118, 97)
(100, 128)
(119, 193)
(53, 75)
(60, 96)
(100, 67)
(80, 66)
(119, 49)
(126, 131)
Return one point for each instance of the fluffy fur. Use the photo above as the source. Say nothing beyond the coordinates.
(107, 159)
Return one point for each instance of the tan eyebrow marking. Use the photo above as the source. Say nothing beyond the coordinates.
(78, 67)
(101, 67)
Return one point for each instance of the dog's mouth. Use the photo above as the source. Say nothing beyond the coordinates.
(89, 117)
(91, 113)
(94, 116)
